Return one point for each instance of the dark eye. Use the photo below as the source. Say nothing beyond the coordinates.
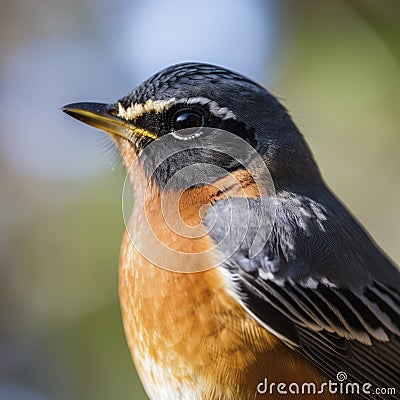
(187, 119)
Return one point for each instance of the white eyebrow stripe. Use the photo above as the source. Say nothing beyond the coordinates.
(136, 110)
(215, 108)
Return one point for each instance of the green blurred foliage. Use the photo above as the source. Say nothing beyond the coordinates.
(342, 85)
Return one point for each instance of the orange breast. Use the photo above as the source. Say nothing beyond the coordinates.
(189, 337)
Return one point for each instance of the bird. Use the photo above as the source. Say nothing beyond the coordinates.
(263, 280)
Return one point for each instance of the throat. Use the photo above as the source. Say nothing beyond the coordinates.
(194, 202)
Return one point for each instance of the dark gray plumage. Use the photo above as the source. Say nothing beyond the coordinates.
(320, 283)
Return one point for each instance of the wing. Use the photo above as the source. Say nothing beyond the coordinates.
(319, 283)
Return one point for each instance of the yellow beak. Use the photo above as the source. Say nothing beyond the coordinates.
(105, 117)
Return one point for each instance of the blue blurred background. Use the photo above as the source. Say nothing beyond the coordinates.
(335, 65)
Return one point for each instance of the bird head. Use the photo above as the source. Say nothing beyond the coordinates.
(194, 112)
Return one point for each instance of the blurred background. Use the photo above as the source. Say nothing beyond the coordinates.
(335, 65)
